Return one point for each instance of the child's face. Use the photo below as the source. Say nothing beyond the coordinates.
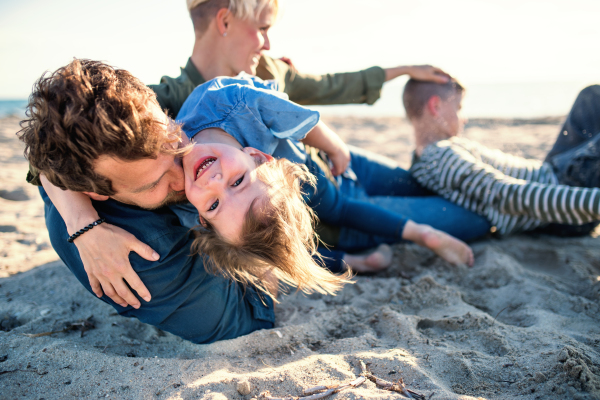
(451, 120)
(221, 182)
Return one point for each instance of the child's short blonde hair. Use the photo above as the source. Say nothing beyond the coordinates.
(278, 236)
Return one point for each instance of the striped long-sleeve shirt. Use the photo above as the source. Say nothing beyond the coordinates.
(513, 193)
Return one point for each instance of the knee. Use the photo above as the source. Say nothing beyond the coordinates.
(591, 92)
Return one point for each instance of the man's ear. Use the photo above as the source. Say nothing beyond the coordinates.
(433, 105)
(96, 196)
(222, 19)
(259, 156)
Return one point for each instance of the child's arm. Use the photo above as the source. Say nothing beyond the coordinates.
(323, 138)
(104, 250)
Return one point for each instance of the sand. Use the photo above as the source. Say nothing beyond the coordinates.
(523, 322)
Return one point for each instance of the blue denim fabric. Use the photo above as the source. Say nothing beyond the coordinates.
(582, 123)
(333, 260)
(382, 183)
(335, 208)
(186, 300)
(575, 155)
(251, 111)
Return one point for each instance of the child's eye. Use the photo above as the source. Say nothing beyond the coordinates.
(214, 205)
(238, 182)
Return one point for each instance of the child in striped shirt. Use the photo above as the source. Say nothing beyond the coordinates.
(513, 193)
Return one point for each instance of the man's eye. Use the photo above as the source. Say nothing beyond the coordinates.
(214, 205)
(238, 182)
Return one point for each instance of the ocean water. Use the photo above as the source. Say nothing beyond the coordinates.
(506, 100)
(12, 107)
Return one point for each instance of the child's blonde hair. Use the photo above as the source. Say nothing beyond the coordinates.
(278, 236)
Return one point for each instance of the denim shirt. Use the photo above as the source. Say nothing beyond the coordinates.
(253, 112)
(256, 115)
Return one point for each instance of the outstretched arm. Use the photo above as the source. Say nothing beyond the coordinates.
(342, 87)
(417, 72)
(104, 250)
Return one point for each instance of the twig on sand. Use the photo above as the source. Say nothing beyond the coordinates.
(313, 393)
(499, 312)
(24, 370)
(398, 387)
(81, 325)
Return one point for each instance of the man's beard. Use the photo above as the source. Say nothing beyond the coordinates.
(172, 198)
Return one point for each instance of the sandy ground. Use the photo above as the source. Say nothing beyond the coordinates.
(522, 323)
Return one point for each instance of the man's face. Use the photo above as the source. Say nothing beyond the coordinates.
(451, 121)
(147, 183)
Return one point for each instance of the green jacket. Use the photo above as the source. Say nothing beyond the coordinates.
(341, 88)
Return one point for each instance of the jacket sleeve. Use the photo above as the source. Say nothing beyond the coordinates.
(338, 88)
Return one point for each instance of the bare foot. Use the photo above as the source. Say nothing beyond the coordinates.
(453, 250)
(378, 260)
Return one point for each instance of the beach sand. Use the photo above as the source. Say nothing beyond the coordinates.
(522, 323)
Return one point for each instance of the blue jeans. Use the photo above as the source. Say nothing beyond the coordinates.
(186, 300)
(575, 156)
(381, 182)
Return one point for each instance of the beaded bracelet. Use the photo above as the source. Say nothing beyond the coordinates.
(84, 230)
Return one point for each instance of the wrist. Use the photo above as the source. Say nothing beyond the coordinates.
(78, 221)
(392, 73)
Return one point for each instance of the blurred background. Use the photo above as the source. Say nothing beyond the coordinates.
(518, 58)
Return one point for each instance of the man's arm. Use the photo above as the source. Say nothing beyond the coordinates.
(186, 300)
(104, 250)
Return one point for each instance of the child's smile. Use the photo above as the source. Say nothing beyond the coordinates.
(221, 182)
(203, 165)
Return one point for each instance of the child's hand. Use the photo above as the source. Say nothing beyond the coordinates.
(340, 158)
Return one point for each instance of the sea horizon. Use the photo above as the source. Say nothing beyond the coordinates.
(530, 100)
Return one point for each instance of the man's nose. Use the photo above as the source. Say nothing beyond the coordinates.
(177, 177)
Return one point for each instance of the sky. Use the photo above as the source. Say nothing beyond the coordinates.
(485, 43)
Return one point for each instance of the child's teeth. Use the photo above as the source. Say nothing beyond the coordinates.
(203, 167)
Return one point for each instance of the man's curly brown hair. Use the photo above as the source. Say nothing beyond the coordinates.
(84, 110)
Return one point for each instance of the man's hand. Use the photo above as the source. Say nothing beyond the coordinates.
(104, 252)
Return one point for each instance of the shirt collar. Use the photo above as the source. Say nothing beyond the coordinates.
(193, 73)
